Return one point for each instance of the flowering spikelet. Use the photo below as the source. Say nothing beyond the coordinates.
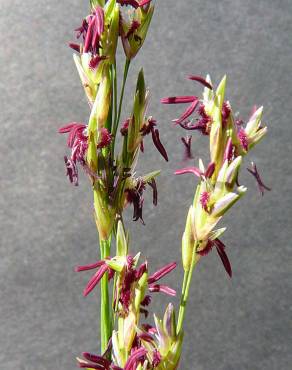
(216, 191)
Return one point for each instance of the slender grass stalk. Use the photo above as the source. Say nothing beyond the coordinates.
(185, 293)
(109, 121)
(115, 90)
(116, 123)
(105, 307)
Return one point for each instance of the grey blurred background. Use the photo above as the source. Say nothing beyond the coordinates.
(47, 225)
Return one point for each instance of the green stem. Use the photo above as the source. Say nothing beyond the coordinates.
(185, 293)
(116, 123)
(105, 307)
(115, 90)
(108, 123)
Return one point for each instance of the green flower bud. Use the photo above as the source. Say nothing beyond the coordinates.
(138, 116)
(254, 122)
(104, 216)
(208, 93)
(101, 105)
(133, 41)
(118, 350)
(257, 137)
(122, 244)
(94, 75)
(149, 176)
(169, 322)
(216, 134)
(140, 290)
(203, 221)
(88, 84)
(109, 39)
(136, 258)
(205, 229)
(224, 203)
(216, 147)
(226, 177)
(232, 171)
(129, 330)
(220, 92)
(94, 3)
(91, 154)
(216, 233)
(200, 213)
(169, 344)
(117, 263)
(164, 339)
(253, 129)
(175, 353)
(188, 241)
